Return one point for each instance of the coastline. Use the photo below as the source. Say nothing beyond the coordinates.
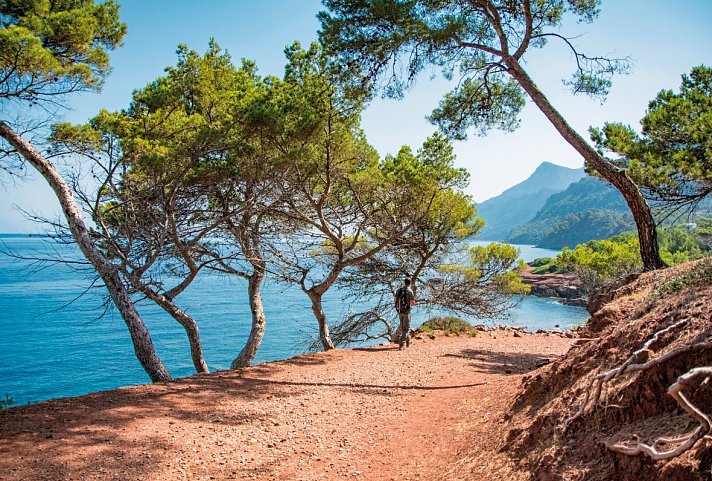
(51, 352)
(566, 287)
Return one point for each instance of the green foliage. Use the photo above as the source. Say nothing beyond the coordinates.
(545, 265)
(496, 264)
(541, 261)
(672, 157)
(449, 325)
(390, 42)
(601, 261)
(188, 128)
(424, 188)
(678, 245)
(700, 275)
(704, 226)
(472, 106)
(50, 48)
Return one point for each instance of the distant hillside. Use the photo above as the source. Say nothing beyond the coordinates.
(520, 203)
(587, 209)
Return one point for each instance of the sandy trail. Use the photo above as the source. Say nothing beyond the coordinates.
(368, 414)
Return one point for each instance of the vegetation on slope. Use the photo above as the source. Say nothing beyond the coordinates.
(601, 262)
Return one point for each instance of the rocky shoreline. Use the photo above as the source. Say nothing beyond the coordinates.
(566, 287)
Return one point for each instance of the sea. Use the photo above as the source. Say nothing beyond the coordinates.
(59, 339)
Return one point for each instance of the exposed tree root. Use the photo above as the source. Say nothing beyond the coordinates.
(629, 365)
(640, 361)
(686, 442)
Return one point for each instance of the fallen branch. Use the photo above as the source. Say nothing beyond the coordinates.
(687, 441)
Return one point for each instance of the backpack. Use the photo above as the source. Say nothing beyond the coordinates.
(402, 300)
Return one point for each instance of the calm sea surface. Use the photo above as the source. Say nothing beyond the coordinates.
(54, 344)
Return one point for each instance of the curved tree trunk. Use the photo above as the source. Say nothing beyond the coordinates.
(143, 345)
(259, 322)
(324, 334)
(620, 179)
(188, 323)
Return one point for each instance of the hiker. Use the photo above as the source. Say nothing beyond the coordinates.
(403, 300)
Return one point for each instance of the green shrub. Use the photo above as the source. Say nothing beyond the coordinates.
(542, 261)
(599, 262)
(450, 325)
(700, 275)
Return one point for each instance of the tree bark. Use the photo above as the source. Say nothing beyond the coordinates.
(143, 345)
(259, 321)
(324, 334)
(188, 323)
(647, 234)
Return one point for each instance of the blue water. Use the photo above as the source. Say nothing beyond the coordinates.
(53, 345)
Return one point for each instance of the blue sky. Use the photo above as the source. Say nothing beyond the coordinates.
(664, 39)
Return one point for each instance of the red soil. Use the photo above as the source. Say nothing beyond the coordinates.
(372, 414)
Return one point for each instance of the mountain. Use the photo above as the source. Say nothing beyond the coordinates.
(520, 203)
(588, 209)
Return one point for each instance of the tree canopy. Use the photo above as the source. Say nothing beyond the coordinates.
(391, 42)
(50, 48)
(483, 43)
(672, 156)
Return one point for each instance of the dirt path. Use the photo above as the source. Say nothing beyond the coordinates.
(373, 414)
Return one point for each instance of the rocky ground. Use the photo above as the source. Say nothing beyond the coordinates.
(371, 414)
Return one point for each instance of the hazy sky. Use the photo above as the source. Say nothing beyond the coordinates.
(663, 38)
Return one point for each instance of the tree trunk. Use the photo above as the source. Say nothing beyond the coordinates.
(647, 234)
(259, 322)
(324, 335)
(143, 345)
(188, 323)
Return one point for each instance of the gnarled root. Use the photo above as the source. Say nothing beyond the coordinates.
(632, 364)
(686, 442)
(640, 361)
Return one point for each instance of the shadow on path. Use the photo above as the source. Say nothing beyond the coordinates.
(394, 347)
(494, 362)
(103, 423)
